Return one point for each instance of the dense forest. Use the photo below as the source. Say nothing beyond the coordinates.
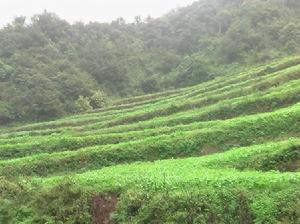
(49, 68)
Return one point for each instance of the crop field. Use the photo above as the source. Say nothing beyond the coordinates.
(224, 151)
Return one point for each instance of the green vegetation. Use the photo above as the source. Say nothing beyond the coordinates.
(222, 148)
(223, 151)
(50, 68)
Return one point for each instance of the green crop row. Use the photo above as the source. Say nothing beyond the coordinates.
(171, 108)
(225, 151)
(49, 144)
(50, 131)
(240, 131)
(221, 83)
(284, 96)
(288, 95)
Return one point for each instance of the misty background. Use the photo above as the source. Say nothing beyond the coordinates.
(89, 10)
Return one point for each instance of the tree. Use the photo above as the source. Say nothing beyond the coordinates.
(19, 21)
(5, 115)
(138, 20)
(47, 64)
(98, 99)
(149, 86)
(83, 104)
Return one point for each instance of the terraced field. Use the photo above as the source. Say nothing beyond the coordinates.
(224, 151)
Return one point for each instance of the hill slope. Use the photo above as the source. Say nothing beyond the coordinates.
(231, 148)
(46, 65)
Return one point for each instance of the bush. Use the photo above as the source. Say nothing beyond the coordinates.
(64, 203)
(5, 115)
(204, 206)
(98, 99)
(82, 104)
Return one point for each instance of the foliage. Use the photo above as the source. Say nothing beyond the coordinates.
(46, 65)
(98, 99)
(223, 151)
(203, 206)
(22, 203)
(83, 104)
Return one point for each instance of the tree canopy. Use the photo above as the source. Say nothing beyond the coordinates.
(48, 67)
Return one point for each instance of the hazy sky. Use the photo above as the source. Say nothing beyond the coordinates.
(88, 10)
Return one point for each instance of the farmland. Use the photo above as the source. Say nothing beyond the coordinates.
(224, 151)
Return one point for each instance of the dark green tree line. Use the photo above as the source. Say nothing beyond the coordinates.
(48, 66)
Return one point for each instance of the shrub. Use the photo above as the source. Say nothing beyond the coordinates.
(83, 104)
(188, 206)
(98, 99)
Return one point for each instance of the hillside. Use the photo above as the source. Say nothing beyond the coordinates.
(223, 151)
(50, 68)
